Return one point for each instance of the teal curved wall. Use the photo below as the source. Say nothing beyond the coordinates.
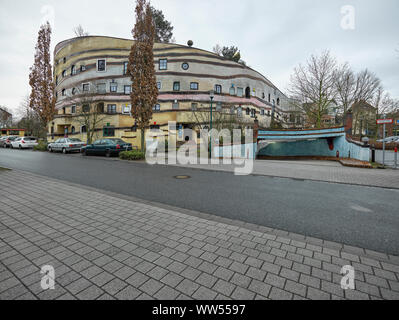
(318, 147)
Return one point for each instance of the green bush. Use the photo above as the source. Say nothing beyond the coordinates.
(42, 146)
(132, 155)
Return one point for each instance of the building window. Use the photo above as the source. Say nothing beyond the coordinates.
(194, 106)
(268, 113)
(63, 92)
(278, 101)
(175, 105)
(127, 90)
(239, 112)
(125, 66)
(101, 88)
(73, 109)
(248, 92)
(113, 87)
(232, 91)
(109, 132)
(156, 108)
(111, 109)
(253, 113)
(269, 98)
(64, 59)
(240, 92)
(56, 80)
(127, 109)
(101, 65)
(262, 112)
(163, 64)
(159, 85)
(73, 130)
(176, 86)
(218, 89)
(64, 73)
(86, 87)
(185, 66)
(219, 107)
(83, 129)
(64, 110)
(100, 107)
(248, 112)
(82, 68)
(155, 128)
(194, 86)
(73, 70)
(73, 91)
(86, 108)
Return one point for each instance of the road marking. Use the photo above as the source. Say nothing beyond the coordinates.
(361, 209)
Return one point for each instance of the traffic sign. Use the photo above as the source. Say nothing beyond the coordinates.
(385, 121)
(397, 122)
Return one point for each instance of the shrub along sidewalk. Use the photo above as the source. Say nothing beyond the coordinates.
(132, 155)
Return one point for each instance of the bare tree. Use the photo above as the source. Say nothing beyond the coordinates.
(90, 112)
(221, 119)
(345, 85)
(79, 31)
(313, 85)
(5, 117)
(29, 119)
(367, 86)
(217, 49)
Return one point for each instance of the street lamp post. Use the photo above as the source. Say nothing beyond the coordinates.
(212, 96)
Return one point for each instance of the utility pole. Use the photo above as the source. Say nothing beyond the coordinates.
(383, 142)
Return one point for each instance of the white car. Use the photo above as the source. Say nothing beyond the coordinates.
(389, 139)
(24, 143)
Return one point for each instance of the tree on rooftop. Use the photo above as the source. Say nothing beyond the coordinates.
(42, 98)
(163, 28)
(79, 31)
(144, 93)
(231, 53)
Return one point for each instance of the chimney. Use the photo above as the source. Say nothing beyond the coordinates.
(348, 123)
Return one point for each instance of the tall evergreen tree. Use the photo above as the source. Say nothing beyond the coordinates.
(163, 28)
(141, 68)
(42, 99)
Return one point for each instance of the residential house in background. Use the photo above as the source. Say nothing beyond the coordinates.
(5, 118)
(364, 119)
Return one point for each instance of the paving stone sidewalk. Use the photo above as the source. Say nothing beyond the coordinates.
(105, 246)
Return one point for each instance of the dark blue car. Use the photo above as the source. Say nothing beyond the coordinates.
(107, 147)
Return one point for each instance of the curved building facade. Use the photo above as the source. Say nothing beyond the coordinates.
(91, 72)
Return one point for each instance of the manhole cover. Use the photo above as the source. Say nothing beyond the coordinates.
(182, 177)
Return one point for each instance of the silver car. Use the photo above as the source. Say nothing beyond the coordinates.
(66, 145)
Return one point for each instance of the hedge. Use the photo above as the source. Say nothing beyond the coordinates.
(132, 155)
(42, 146)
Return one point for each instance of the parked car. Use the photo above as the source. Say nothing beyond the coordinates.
(3, 141)
(66, 145)
(24, 143)
(389, 139)
(107, 147)
(6, 141)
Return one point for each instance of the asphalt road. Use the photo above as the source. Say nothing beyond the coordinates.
(355, 215)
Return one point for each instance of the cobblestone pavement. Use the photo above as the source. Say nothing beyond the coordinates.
(327, 171)
(107, 246)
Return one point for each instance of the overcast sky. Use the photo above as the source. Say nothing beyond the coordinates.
(273, 36)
